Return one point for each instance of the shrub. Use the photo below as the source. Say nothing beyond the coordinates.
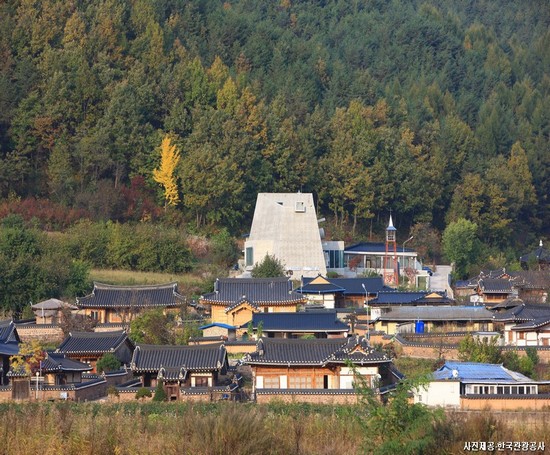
(112, 391)
(142, 393)
(268, 268)
(107, 362)
(160, 394)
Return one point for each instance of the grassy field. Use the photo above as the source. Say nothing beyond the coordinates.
(191, 284)
(228, 428)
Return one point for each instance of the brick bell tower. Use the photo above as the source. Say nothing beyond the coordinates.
(391, 274)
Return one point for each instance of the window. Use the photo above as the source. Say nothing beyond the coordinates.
(201, 381)
(271, 382)
(334, 259)
(521, 335)
(249, 256)
(299, 382)
(94, 315)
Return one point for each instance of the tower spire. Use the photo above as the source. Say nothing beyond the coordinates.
(391, 274)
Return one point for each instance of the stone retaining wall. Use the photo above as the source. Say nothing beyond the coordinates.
(44, 333)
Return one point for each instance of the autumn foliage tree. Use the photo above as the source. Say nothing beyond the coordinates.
(27, 362)
(169, 159)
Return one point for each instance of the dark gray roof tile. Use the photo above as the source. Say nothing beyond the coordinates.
(261, 291)
(151, 358)
(56, 362)
(93, 342)
(275, 351)
(312, 321)
(108, 296)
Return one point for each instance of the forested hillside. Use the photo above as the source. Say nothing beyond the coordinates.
(438, 110)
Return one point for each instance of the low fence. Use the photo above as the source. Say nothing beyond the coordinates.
(416, 346)
(312, 396)
(85, 391)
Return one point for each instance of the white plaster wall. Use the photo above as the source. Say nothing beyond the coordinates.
(439, 393)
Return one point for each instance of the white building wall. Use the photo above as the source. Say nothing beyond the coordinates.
(439, 393)
(285, 226)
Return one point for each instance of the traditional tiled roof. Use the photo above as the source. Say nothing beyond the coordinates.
(495, 286)
(93, 342)
(539, 255)
(532, 325)
(410, 298)
(56, 362)
(531, 279)
(439, 313)
(8, 332)
(508, 303)
(9, 339)
(257, 291)
(176, 361)
(241, 301)
(478, 372)
(109, 296)
(312, 321)
(319, 285)
(314, 352)
(523, 313)
(347, 286)
(53, 304)
(373, 247)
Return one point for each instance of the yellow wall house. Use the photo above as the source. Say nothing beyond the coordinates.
(109, 304)
(235, 300)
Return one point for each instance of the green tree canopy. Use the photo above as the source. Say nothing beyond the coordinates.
(269, 267)
(461, 245)
(107, 362)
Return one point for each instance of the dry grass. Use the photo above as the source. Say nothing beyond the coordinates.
(128, 277)
(219, 428)
(166, 428)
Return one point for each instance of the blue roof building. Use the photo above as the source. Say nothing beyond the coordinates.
(455, 383)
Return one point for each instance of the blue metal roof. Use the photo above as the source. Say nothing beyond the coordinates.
(218, 324)
(474, 371)
(372, 247)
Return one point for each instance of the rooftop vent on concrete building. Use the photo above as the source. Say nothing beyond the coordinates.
(300, 207)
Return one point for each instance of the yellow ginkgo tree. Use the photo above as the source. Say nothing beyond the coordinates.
(165, 173)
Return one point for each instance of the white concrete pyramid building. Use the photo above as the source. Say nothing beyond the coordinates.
(285, 226)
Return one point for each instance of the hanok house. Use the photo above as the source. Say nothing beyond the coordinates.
(494, 290)
(51, 311)
(109, 304)
(9, 346)
(318, 324)
(88, 347)
(325, 367)
(57, 369)
(180, 366)
(235, 300)
(532, 285)
(386, 300)
(341, 292)
(438, 318)
(525, 325)
(472, 385)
